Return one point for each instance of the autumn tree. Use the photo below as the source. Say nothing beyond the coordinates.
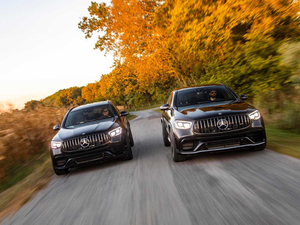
(91, 92)
(127, 29)
(172, 43)
(65, 97)
(234, 42)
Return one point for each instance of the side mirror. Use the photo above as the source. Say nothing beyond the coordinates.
(243, 97)
(124, 113)
(56, 127)
(165, 107)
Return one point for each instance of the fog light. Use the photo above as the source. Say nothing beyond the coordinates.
(56, 151)
(60, 162)
(187, 145)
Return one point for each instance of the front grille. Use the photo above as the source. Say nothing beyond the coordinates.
(95, 140)
(235, 122)
(86, 159)
(225, 143)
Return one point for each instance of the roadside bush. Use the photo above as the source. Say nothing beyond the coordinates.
(290, 118)
(24, 134)
(280, 108)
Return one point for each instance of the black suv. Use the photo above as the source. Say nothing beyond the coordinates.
(89, 134)
(210, 118)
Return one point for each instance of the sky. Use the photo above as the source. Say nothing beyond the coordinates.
(42, 50)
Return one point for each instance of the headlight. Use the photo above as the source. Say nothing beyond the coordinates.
(56, 144)
(183, 124)
(115, 132)
(254, 115)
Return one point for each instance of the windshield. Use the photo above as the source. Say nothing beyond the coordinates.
(202, 95)
(87, 115)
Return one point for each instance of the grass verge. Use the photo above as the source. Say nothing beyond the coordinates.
(284, 142)
(16, 196)
(158, 110)
(131, 116)
(18, 172)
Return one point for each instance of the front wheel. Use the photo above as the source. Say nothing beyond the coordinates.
(61, 172)
(128, 153)
(175, 155)
(131, 138)
(165, 135)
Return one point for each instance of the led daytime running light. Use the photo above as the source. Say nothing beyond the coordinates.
(115, 132)
(183, 125)
(254, 115)
(56, 144)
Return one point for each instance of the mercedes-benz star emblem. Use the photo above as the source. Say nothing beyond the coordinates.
(84, 142)
(222, 124)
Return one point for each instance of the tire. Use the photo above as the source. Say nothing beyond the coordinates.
(131, 138)
(128, 154)
(258, 148)
(175, 155)
(165, 135)
(61, 172)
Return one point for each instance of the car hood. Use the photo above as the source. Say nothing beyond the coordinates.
(84, 129)
(208, 110)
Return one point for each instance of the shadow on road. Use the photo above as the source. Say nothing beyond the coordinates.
(98, 166)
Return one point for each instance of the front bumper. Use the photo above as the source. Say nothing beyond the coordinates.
(195, 144)
(88, 157)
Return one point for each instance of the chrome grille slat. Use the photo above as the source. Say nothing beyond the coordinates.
(99, 139)
(209, 125)
(235, 123)
(201, 131)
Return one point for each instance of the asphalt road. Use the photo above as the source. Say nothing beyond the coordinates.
(227, 188)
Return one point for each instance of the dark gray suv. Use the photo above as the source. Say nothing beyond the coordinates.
(210, 118)
(91, 134)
